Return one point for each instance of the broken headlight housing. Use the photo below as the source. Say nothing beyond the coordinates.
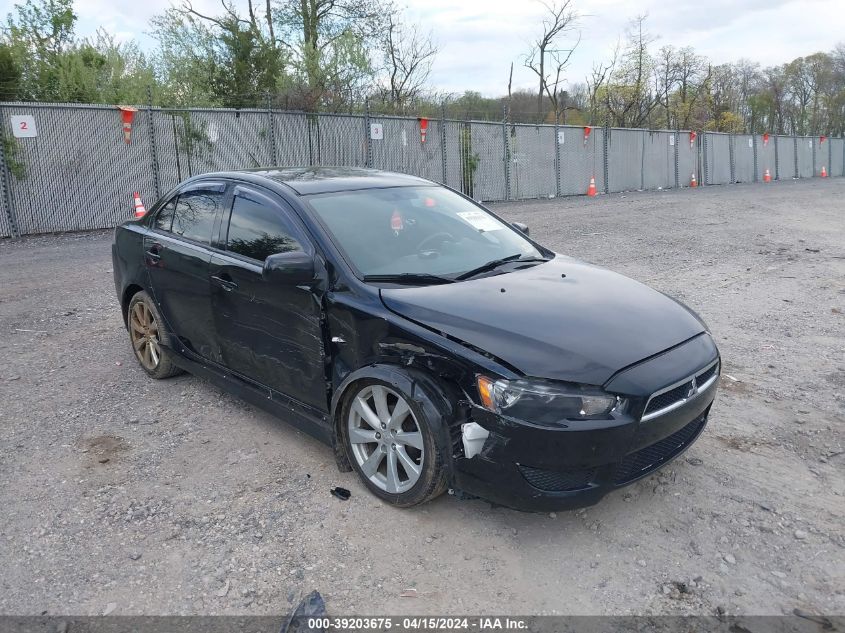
(547, 402)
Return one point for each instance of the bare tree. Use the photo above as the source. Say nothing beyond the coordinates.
(233, 22)
(627, 96)
(598, 82)
(546, 59)
(323, 24)
(409, 55)
(679, 80)
(235, 52)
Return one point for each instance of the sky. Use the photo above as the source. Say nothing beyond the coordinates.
(478, 39)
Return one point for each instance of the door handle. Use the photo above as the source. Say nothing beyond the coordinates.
(154, 252)
(226, 284)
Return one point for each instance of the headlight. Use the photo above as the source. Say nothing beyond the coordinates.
(546, 402)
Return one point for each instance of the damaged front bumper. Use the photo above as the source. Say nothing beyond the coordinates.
(532, 468)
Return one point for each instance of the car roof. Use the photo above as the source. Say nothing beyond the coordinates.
(311, 180)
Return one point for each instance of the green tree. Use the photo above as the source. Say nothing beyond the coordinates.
(39, 33)
(230, 59)
(41, 59)
(10, 74)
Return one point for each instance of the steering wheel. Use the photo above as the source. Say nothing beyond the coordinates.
(440, 237)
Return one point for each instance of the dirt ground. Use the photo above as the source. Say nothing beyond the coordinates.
(121, 494)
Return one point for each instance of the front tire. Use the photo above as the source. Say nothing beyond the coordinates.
(149, 339)
(391, 444)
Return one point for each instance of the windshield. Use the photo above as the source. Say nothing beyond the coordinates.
(416, 230)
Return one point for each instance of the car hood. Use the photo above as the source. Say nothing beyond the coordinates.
(582, 327)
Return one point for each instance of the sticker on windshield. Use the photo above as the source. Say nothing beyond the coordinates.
(396, 222)
(480, 220)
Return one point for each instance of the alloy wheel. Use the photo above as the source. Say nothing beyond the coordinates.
(143, 331)
(386, 440)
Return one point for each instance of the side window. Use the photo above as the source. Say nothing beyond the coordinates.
(164, 219)
(194, 214)
(257, 228)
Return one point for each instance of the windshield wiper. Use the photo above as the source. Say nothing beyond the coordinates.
(492, 265)
(410, 278)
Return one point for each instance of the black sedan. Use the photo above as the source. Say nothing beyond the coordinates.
(433, 345)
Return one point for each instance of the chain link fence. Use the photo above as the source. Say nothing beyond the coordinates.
(625, 159)
(837, 157)
(580, 157)
(658, 162)
(718, 159)
(688, 146)
(766, 157)
(72, 170)
(785, 151)
(804, 154)
(485, 161)
(743, 152)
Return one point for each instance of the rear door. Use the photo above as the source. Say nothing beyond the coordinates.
(177, 255)
(269, 332)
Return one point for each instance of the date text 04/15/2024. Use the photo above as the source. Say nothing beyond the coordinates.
(417, 623)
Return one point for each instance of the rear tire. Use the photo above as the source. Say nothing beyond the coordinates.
(390, 443)
(150, 340)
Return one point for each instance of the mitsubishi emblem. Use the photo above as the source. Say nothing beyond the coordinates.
(692, 388)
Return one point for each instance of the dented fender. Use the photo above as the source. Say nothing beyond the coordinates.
(430, 396)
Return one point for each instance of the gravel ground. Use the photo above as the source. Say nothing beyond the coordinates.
(121, 494)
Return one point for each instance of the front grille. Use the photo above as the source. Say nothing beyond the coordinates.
(652, 457)
(558, 481)
(679, 394)
(707, 374)
(670, 397)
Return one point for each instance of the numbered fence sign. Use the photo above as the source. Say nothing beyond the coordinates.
(560, 137)
(23, 126)
(376, 131)
(672, 140)
(751, 143)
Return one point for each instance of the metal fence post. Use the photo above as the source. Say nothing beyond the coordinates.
(777, 159)
(272, 136)
(700, 163)
(705, 172)
(795, 152)
(605, 157)
(557, 155)
(153, 146)
(310, 138)
(814, 158)
(677, 160)
(443, 139)
(367, 140)
(506, 159)
(829, 157)
(642, 158)
(754, 151)
(5, 182)
(732, 158)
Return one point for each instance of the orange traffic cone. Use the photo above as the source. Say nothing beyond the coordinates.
(767, 177)
(591, 190)
(824, 172)
(140, 211)
(692, 181)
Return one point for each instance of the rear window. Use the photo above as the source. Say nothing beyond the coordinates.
(194, 215)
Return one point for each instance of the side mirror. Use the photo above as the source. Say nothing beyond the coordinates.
(519, 226)
(293, 268)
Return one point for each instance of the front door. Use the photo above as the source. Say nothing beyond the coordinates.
(177, 255)
(269, 332)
